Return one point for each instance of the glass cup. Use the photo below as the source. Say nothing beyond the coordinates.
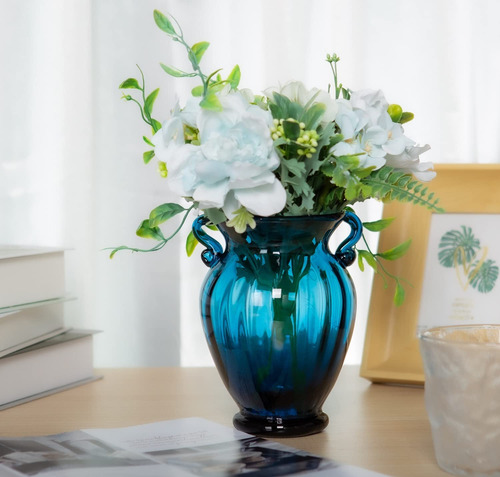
(462, 397)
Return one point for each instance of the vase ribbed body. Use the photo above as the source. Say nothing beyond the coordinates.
(278, 310)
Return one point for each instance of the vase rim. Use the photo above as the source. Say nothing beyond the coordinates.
(299, 218)
(279, 230)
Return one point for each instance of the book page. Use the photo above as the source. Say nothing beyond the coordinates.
(181, 448)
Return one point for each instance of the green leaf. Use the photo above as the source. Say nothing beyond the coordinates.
(388, 184)
(147, 156)
(335, 139)
(164, 23)
(369, 258)
(145, 230)
(197, 91)
(156, 125)
(177, 73)
(130, 83)
(296, 167)
(211, 102)
(191, 243)
(164, 212)
(148, 141)
(211, 75)
(328, 169)
(312, 116)
(405, 117)
(395, 252)
(234, 77)
(362, 173)
(216, 216)
(242, 219)
(291, 129)
(378, 225)
(282, 108)
(199, 49)
(399, 295)
(353, 190)
(361, 265)
(148, 104)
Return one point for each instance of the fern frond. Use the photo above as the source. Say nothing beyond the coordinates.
(387, 184)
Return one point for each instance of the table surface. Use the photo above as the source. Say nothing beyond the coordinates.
(379, 427)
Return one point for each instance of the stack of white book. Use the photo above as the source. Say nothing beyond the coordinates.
(39, 355)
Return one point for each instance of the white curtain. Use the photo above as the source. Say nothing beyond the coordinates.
(71, 169)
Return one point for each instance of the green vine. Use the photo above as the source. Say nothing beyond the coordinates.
(374, 260)
(149, 228)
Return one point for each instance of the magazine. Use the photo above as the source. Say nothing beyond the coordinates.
(179, 448)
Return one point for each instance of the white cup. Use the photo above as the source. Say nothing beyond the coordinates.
(462, 397)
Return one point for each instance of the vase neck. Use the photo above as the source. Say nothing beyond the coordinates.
(283, 233)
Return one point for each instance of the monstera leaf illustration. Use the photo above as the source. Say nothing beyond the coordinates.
(458, 247)
(483, 276)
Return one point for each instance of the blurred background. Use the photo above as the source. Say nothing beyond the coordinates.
(71, 170)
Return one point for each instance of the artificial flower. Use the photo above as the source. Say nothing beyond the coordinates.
(291, 151)
(232, 162)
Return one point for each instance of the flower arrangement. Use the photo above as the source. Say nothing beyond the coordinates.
(290, 151)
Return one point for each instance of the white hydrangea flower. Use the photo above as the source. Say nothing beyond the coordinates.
(368, 130)
(409, 161)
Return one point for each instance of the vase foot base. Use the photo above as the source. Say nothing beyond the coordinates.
(277, 427)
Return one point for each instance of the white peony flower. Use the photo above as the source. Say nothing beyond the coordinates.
(234, 162)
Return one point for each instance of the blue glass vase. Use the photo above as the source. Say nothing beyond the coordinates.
(278, 311)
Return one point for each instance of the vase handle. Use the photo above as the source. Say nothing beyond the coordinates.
(345, 253)
(211, 255)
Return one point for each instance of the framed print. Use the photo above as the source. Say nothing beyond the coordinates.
(450, 273)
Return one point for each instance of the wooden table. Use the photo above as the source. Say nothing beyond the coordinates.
(378, 427)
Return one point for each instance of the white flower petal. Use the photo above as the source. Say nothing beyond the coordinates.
(346, 148)
(371, 161)
(231, 205)
(265, 200)
(211, 171)
(375, 135)
(211, 196)
(424, 172)
(395, 146)
(408, 161)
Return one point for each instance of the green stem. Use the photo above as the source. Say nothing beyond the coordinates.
(143, 89)
(144, 118)
(197, 69)
(333, 65)
(380, 264)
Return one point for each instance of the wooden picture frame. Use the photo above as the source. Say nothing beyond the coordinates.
(391, 349)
